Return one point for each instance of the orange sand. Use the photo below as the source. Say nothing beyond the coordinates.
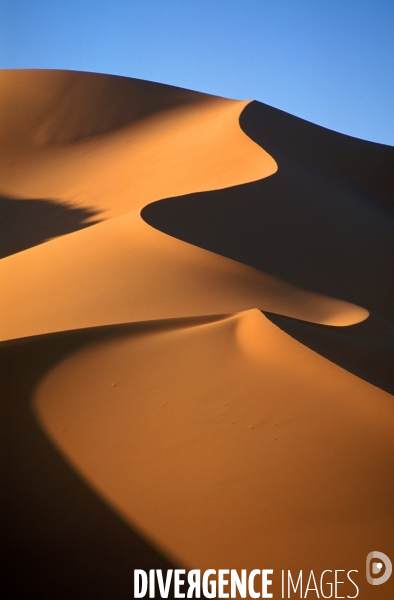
(222, 440)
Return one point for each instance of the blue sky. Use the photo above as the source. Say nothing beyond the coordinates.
(328, 61)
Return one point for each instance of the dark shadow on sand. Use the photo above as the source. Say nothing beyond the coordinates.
(315, 235)
(59, 540)
(365, 167)
(27, 223)
(323, 222)
(365, 349)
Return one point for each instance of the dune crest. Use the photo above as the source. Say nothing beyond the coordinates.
(93, 278)
(212, 423)
(124, 271)
(118, 143)
(147, 228)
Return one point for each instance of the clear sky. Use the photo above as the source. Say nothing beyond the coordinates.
(328, 61)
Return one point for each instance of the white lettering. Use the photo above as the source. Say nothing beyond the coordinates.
(178, 582)
(336, 583)
(194, 581)
(222, 582)
(164, 589)
(205, 590)
(348, 576)
(312, 589)
(326, 583)
(266, 582)
(290, 579)
(252, 575)
(140, 577)
(226, 583)
(237, 583)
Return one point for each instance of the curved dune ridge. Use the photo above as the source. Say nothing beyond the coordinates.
(224, 439)
(185, 141)
(220, 439)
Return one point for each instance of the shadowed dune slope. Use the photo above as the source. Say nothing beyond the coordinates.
(365, 349)
(367, 166)
(324, 221)
(68, 106)
(234, 444)
(153, 414)
(112, 144)
(321, 222)
(27, 223)
(56, 530)
(123, 270)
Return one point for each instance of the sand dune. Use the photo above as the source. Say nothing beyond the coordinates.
(111, 144)
(210, 435)
(123, 270)
(145, 229)
(322, 221)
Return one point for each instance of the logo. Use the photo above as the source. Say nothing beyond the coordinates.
(377, 562)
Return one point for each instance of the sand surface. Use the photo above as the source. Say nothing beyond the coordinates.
(144, 230)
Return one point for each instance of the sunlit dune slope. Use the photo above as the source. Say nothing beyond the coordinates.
(235, 445)
(71, 150)
(123, 270)
(145, 229)
(111, 144)
(324, 221)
